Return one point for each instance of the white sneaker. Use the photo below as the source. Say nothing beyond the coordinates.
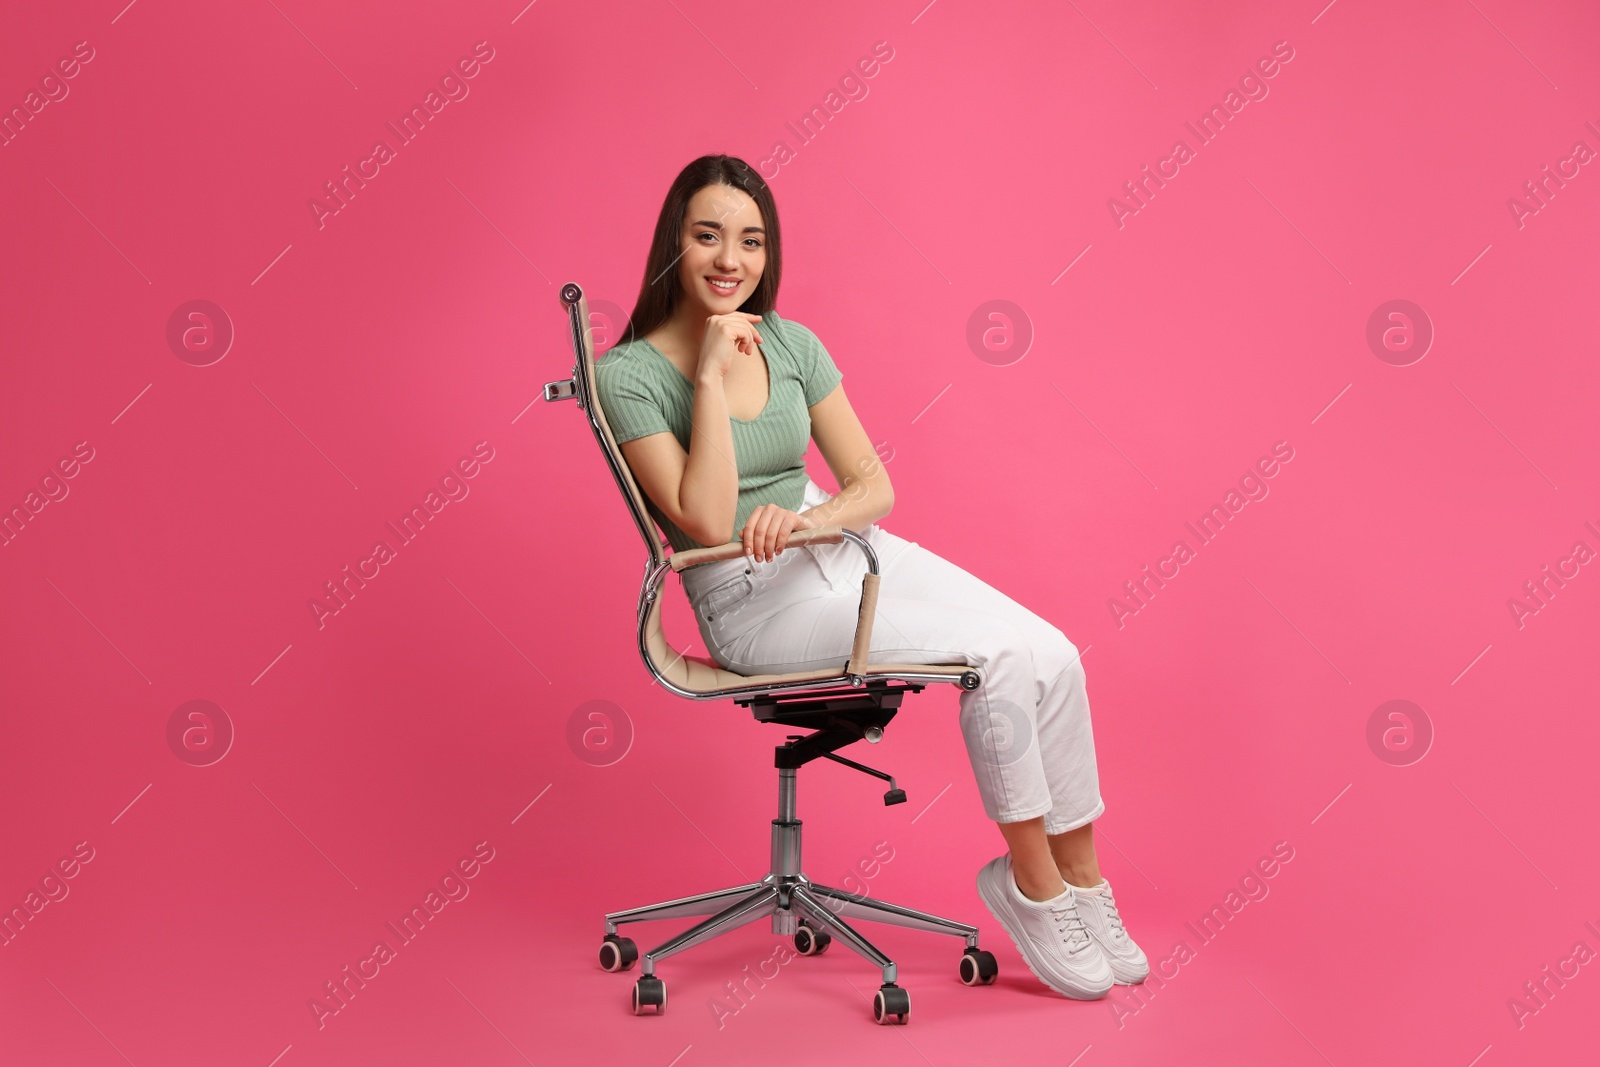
(1050, 934)
(1099, 913)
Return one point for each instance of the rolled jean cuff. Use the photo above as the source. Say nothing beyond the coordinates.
(1020, 817)
(1061, 826)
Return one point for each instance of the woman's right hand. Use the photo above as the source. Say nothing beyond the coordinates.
(725, 336)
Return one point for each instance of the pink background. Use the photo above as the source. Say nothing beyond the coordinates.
(374, 752)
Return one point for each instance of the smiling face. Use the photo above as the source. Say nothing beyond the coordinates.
(724, 247)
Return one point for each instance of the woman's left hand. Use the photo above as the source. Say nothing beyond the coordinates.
(766, 532)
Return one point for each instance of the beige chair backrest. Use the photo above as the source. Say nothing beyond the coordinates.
(697, 674)
(583, 345)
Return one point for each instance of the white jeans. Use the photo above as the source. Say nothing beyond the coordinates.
(1026, 728)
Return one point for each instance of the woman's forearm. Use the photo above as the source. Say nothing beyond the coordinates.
(709, 490)
(860, 502)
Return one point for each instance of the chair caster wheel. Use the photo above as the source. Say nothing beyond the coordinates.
(809, 941)
(978, 967)
(649, 991)
(890, 1004)
(618, 953)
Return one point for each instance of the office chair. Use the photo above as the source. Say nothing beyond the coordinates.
(841, 706)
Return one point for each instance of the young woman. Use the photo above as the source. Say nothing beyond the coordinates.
(713, 397)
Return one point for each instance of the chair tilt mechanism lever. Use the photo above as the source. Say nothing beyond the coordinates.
(893, 796)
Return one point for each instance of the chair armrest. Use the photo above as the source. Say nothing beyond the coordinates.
(869, 610)
(693, 557)
(821, 535)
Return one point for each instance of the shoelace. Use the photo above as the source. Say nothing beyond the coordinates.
(1070, 924)
(1110, 907)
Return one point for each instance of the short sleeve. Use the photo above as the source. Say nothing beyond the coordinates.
(818, 372)
(631, 410)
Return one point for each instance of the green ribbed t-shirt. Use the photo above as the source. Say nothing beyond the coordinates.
(643, 392)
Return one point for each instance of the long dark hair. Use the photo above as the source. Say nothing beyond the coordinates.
(660, 291)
